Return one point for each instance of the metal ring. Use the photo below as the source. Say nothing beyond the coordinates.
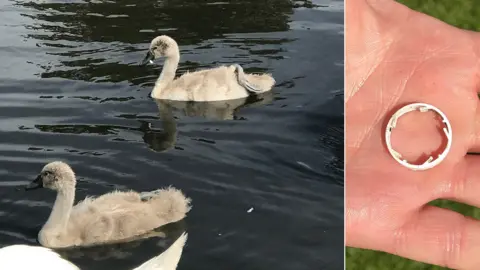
(430, 162)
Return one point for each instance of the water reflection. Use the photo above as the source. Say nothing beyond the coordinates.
(165, 138)
(109, 21)
(213, 110)
(81, 34)
(128, 254)
(161, 140)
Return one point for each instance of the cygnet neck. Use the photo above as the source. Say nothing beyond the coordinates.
(167, 75)
(61, 210)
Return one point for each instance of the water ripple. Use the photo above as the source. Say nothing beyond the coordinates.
(72, 89)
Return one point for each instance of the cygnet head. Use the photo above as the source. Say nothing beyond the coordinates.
(161, 46)
(55, 175)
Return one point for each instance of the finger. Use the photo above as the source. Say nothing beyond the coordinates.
(475, 137)
(464, 186)
(440, 236)
(434, 235)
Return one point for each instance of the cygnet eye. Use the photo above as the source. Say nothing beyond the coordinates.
(47, 173)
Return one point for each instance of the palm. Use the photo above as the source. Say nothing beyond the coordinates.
(390, 64)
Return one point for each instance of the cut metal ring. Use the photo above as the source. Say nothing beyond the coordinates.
(430, 162)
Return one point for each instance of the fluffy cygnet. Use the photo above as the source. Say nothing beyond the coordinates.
(220, 83)
(111, 217)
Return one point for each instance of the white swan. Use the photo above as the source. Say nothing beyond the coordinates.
(111, 217)
(25, 257)
(221, 83)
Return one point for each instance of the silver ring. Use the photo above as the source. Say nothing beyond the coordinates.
(430, 162)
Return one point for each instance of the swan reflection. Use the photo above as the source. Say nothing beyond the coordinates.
(139, 248)
(165, 139)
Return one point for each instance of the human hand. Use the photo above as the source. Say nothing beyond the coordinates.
(396, 56)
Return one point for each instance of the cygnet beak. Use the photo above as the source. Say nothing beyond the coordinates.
(148, 58)
(35, 184)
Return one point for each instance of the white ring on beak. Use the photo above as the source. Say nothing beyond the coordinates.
(430, 162)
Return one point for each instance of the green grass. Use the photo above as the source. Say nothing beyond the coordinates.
(463, 14)
(460, 13)
(360, 259)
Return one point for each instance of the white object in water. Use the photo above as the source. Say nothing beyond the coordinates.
(114, 216)
(214, 84)
(430, 162)
(25, 257)
(250, 210)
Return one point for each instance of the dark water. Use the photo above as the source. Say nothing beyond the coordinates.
(71, 89)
